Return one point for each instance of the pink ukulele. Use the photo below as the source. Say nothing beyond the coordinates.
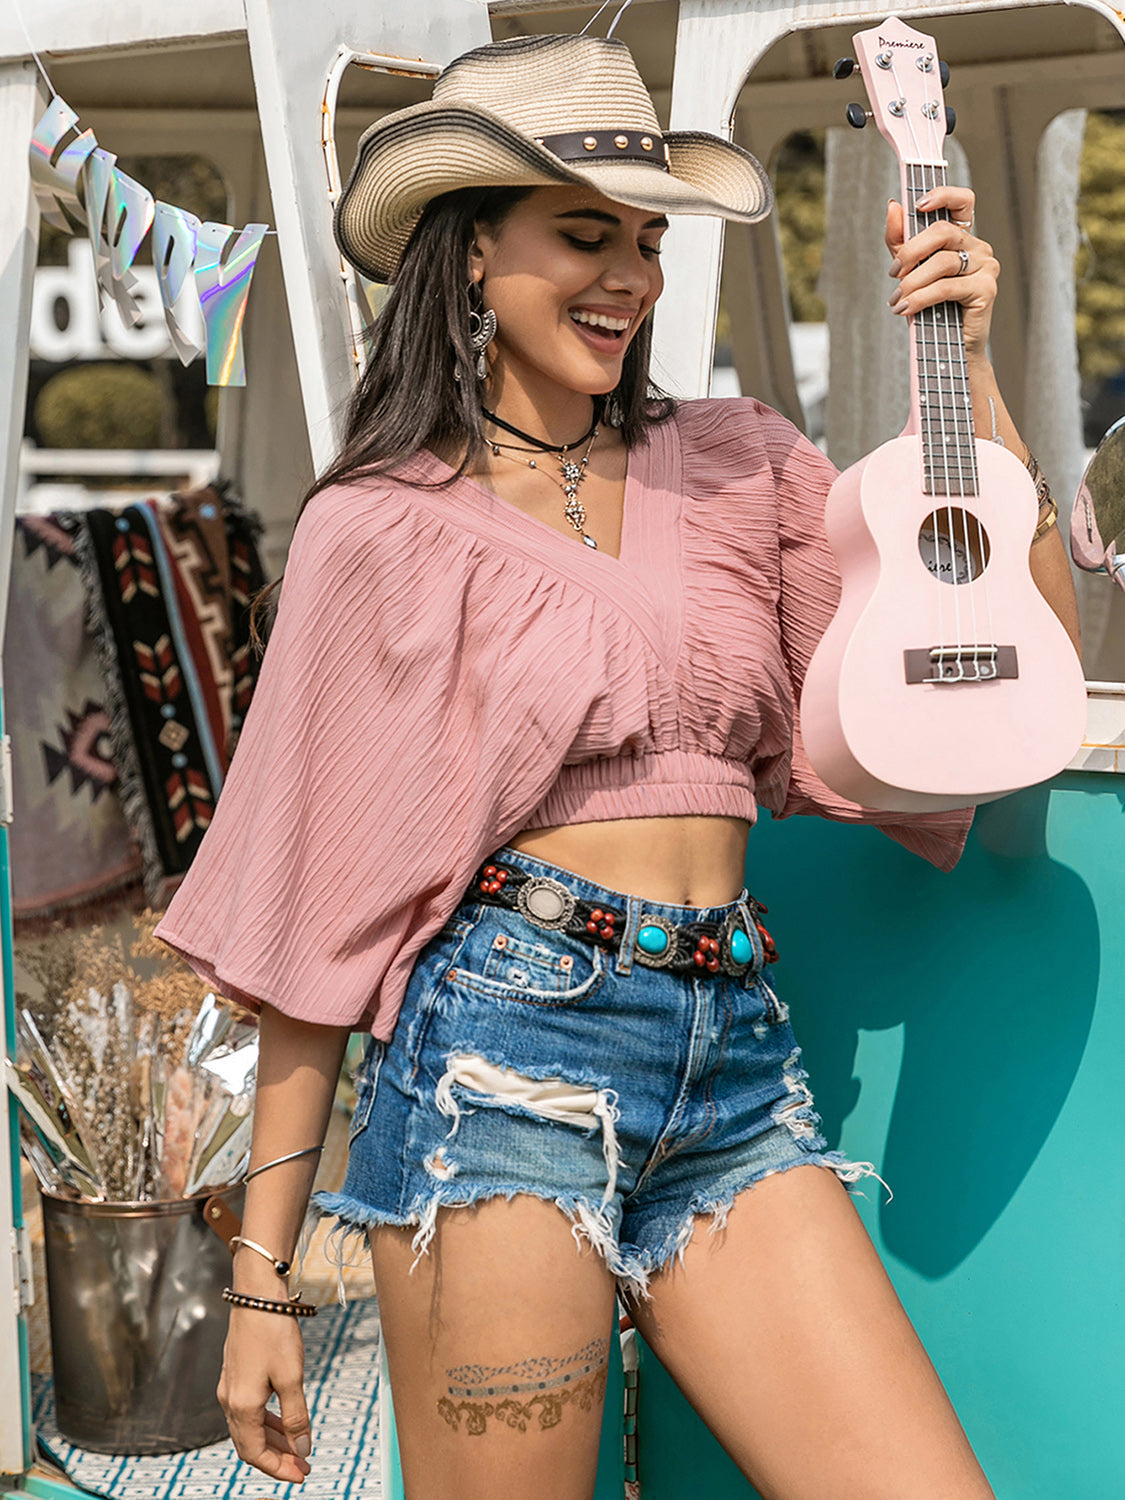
(945, 677)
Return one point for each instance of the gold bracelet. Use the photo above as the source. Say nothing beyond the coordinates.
(282, 1267)
(1048, 520)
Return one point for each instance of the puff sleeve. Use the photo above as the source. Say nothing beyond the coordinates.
(810, 592)
(388, 749)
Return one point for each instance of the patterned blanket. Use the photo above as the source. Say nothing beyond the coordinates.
(169, 590)
(72, 855)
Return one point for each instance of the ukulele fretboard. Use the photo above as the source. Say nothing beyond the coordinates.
(945, 406)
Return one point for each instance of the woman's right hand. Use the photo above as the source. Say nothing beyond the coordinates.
(265, 1354)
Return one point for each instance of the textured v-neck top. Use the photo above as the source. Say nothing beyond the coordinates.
(446, 670)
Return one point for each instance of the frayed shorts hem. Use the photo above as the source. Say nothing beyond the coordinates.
(631, 1266)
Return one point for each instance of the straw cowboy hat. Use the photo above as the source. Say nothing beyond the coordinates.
(538, 112)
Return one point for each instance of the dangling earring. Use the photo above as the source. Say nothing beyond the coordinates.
(482, 327)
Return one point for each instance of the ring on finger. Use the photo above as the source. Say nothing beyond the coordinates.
(963, 256)
(965, 224)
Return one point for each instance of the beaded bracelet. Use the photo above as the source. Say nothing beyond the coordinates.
(1042, 489)
(294, 1308)
(1046, 500)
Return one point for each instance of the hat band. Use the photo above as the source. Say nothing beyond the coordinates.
(599, 145)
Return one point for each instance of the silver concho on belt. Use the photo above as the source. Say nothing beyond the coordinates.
(648, 948)
(545, 902)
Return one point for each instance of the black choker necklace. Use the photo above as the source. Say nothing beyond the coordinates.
(535, 442)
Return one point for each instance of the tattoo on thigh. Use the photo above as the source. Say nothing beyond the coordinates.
(530, 1391)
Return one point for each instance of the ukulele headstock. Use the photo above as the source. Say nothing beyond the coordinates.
(903, 76)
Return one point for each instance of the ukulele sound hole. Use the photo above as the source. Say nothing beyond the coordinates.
(954, 545)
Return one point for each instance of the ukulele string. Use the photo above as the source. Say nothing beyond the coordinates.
(943, 354)
(927, 402)
(929, 355)
(963, 419)
(923, 325)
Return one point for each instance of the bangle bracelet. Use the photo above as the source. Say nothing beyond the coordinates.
(277, 1161)
(282, 1267)
(294, 1308)
(1048, 520)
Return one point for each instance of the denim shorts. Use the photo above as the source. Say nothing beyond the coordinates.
(529, 1061)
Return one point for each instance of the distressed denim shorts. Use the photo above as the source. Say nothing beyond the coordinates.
(526, 1060)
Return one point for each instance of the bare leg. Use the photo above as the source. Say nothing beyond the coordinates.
(497, 1345)
(785, 1334)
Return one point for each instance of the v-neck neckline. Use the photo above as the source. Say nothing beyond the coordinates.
(534, 527)
(646, 574)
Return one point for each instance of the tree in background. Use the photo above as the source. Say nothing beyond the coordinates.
(799, 183)
(100, 406)
(1100, 266)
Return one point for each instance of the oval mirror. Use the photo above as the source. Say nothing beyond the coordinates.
(1097, 526)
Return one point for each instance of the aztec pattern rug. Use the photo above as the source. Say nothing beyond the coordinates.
(169, 591)
(341, 1386)
(72, 855)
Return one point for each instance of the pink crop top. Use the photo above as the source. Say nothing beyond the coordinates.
(445, 671)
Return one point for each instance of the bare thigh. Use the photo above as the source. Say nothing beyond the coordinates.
(497, 1345)
(785, 1334)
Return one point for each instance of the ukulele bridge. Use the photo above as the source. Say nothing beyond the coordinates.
(976, 663)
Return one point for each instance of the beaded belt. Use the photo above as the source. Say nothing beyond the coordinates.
(683, 948)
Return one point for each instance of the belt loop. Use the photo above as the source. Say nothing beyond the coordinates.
(633, 908)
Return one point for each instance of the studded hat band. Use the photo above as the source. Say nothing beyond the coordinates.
(698, 948)
(618, 145)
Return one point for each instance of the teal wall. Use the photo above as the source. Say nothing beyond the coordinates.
(967, 1033)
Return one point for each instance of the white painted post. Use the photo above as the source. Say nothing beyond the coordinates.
(715, 49)
(21, 103)
(292, 49)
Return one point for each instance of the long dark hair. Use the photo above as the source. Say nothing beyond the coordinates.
(409, 397)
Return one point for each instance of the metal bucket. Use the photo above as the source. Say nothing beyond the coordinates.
(137, 1323)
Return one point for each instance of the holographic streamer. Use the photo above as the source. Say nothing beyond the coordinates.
(55, 168)
(98, 176)
(118, 214)
(174, 238)
(129, 212)
(224, 285)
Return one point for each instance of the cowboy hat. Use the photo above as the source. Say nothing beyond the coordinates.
(536, 111)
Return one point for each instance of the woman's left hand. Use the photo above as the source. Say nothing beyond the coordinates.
(931, 267)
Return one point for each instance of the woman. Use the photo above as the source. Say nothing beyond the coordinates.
(534, 667)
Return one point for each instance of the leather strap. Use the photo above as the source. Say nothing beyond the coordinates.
(220, 1217)
(600, 145)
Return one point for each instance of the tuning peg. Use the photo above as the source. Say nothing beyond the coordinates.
(856, 116)
(950, 119)
(943, 72)
(845, 67)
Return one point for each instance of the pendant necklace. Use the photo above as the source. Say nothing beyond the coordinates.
(572, 471)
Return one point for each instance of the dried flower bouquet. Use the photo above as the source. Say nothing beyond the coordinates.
(136, 1083)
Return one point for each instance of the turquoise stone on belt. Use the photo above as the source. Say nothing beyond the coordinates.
(741, 948)
(652, 940)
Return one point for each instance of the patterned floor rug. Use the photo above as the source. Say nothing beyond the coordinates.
(341, 1385)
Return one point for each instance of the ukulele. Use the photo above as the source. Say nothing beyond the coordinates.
(944, 678)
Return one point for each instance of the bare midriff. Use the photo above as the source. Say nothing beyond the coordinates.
(678, 861)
